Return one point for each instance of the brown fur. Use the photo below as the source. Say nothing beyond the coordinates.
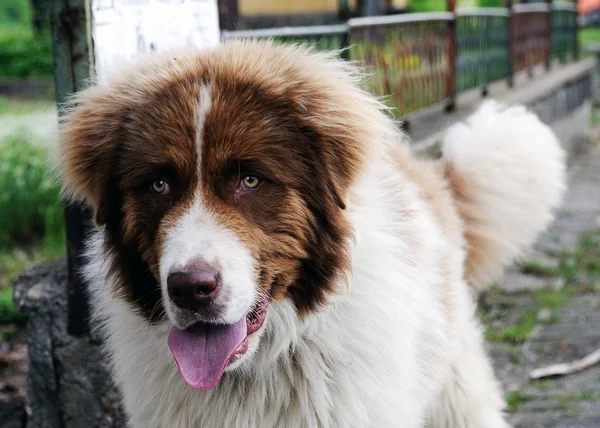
(118, 139)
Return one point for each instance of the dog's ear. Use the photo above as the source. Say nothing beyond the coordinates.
(90, 133)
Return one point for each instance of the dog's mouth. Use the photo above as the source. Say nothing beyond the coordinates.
(203, 351)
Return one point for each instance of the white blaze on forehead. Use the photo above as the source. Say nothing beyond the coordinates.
(203, 107)
(199, 236)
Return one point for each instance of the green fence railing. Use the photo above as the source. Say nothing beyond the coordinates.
(422, 59)
(482, 44)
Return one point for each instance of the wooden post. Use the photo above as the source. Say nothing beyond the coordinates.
(511, 53)
(228, 14)
(451, 78)
(369, 8)
(73, 61)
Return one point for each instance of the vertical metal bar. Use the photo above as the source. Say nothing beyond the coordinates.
(70, 23)
(549, 35)
(576, 35)
(369, 8)
(451, 79)
(511, 53)
(345, 45)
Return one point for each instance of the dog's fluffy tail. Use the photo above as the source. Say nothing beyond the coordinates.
(507, 171)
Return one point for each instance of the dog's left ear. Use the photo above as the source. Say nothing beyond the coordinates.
(90, 134)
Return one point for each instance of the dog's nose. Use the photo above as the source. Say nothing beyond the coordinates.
(195, 288)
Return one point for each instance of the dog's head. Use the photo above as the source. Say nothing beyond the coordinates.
(220, 179)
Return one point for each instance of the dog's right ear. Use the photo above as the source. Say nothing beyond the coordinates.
(90, 133)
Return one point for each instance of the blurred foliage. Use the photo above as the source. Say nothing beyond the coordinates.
(426, 5)
(588, 36)
(491, 3)
(15, 13)
(29, 201)
(23, 53)
(442, 5)
(8, 313)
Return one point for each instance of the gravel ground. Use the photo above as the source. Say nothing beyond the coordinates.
(554, 296)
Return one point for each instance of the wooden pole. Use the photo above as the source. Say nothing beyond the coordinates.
(70, 25)
(228, 14)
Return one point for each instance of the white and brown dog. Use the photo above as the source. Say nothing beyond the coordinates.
(269, 252)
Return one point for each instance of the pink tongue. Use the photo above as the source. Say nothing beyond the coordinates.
(203, 351)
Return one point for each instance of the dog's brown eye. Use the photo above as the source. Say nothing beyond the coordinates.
(161, 187)
(250, 182)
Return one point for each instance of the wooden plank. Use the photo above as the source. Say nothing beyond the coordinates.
(70, 26)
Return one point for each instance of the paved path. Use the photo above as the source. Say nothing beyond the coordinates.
(42, 125)
(561, 310)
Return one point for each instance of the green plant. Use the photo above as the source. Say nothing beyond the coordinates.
(29, 201)
(8, 313)
(567, 403)
(15, 12)
(538, 269)
(24, 54)
(491, 3)
(427, 5)
(514, 400)
(22, 106)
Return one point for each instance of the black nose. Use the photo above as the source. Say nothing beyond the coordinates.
(194, 289)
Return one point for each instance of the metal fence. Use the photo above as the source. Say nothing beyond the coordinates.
(482, 45)
(530, 32)
(325, 37)
(564, 43)
(409, 56)
(422, 59)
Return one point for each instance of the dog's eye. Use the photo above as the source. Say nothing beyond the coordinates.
(161, 187)
(250, 182)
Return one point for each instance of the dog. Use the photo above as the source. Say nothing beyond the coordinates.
(268, 251)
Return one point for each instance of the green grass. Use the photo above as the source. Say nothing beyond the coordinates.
(15, 12)
(588, 36)
(515, 399)
(580, 271)
(589, 396)
(19, 106)
(520, 331)
(538, 269)
(8, 313)
(29, 203)
(22, 53)
(427, 5)
(31, 215)
(567, 403)
(544, 384)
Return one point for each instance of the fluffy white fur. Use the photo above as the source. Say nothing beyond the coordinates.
(399, 346)
(515, 170)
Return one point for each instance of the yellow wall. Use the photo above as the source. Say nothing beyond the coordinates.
(290, 7)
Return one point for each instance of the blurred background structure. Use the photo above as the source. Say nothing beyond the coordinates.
(432, 60)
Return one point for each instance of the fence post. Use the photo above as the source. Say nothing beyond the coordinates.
(73, 61)
(511, 68)
(228, 14)
(549, 36)
(451, 78)
(346, 45)
(576, 30)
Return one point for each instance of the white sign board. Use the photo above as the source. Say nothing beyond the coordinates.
(127, 29)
